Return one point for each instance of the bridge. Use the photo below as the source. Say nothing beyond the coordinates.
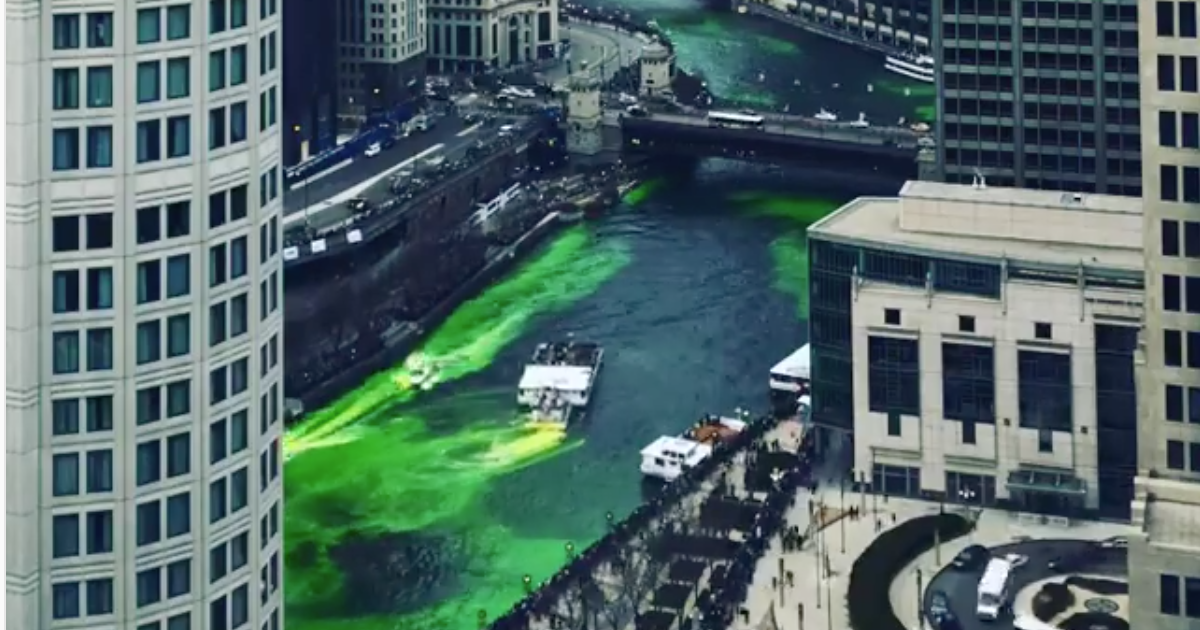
(890, 151)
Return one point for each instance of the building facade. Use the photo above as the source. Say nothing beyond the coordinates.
(1164, 562)
(475, 35)
(973, 356)
(381, 57)
(310, 80)
(1039, 95)
(143, 395)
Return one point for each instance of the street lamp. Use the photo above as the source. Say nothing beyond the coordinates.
(527, 583)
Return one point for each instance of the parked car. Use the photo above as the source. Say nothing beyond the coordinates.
(971, 558)
(373, 150)
(939, 605)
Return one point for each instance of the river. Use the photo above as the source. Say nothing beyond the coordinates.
(416, 511)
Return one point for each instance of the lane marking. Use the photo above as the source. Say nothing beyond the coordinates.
(329, 171)
(357, 190)
(468, 131)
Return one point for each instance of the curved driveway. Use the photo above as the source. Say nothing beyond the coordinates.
(961, 586)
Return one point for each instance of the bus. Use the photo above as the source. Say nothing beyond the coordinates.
(735, 120)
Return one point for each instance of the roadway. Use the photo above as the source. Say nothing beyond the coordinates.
(605, 49)
(795, 126)
(329, 183)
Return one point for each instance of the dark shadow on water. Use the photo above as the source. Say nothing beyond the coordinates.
(398, 573)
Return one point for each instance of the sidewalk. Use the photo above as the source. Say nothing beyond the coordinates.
(797, 607)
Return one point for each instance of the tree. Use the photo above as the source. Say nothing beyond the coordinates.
(577, 603)
(630, 576)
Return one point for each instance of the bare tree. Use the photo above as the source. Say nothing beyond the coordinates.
(574, 609)
(631, 575)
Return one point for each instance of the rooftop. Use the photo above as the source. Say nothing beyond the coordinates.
(567, 378)
(972, 223)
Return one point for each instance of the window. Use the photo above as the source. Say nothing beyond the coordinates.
(65, 149)
(216, 128)
(65, 233)
(1172, 348)
(179, 398)
(238, 318)
(183, 621)
(99, 86)
(149, 586)
(238, 207)
(179, 21)
(217, 441)
(64, 420)
(217, 210)
(266, 109)
(894, 375)
(1189, 81)
(237, 257)
(217, 505)
(147, 226)
(217, 326)
(149, 26)
(216, 70)
(178, 275)
(147, 81)
(65, 474)
(237, 122)
(100, 596)
(1187, 19)
(1191, 239)
(217, 270)
(237, 64)
(179, 136)
(1192, 293)
(99, 471)
(1191, 184)
(179, 219)
(66, 88)
(1167, 135)
(237, 17)
(149, 282)
(99, 230)
(1174, 403)
(1172, 293)
(1042, 330)
(149, 462)
(1191, 597)
(1045, 441)
(99, 532)
(99, 413)
(149, 342)
(149, 141)
(1193, 349)
(894, 425)
(968, 432)
(179, 335)
(1170, 237)
(1044, 390)
(238, 431)
(66, 32)
(966, 324)
(216, 16)
(179, 578)
(179, 77)
(65, 531)
(149, 530)
(1190, 124)
(218, 563)
(65, 596)
(66, 291)
(66, 352)
(1166, 73)
(149, 405)
(99, 289)
(1175, 455)
(239, 604)
(179, 514)
(239, 551)
(1168, 594)
(891, 316)
(100, 30)
(179, 455)
(238, 489)
(239, 372)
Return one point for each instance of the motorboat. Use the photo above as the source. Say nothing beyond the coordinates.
(558, 380)
(918, 67)
(420, 373)
(668, 457)
(861, 122)
(826, 116)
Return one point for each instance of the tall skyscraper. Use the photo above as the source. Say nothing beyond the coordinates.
(310, 79)
(381, 56)
(144, 315)
(1164, 562)
(1039, 94)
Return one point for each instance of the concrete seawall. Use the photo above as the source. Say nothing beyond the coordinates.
(400, 345)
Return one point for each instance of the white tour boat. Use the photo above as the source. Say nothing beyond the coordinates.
(918, 67)
(825, 115)
(790, 380)
(668, 457)
(558, 380)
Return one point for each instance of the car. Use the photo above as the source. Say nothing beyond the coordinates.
(1116, 542)
(945, 622)
(637, 111)
(1068, 563)
(939, 605)
(358, 205)
(971, 558)
(373, 150)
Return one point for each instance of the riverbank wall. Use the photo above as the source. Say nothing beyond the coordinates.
(406, 337)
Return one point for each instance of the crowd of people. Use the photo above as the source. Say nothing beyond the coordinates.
(719, 602)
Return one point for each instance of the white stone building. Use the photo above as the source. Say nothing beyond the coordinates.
(473, 35)
(1164, 563)
(143, 291)
(991, 333)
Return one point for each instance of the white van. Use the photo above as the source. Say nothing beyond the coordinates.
(993, 589)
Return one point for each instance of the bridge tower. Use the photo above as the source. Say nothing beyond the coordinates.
(585, 117)
(656, 63)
